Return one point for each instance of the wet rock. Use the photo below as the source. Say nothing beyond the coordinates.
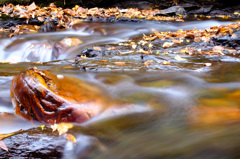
(90, 52)
(135, 4)
(202, 10)
(218, 12)
(48, 26)
(227, 42)
(34, 143)
(174, 10)
(62, 46)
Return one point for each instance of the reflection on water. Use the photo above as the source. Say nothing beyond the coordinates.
(193, 114)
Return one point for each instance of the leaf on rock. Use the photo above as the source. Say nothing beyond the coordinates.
(61, 128)
(3, 146)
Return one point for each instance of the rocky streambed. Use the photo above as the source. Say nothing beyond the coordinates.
(176, 78)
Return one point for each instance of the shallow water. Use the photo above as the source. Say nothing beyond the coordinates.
(183, 110)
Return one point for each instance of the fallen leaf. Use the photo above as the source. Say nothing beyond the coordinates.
(236, 13)
(218, 49)
(147, 62)
(134, 46)
(234, 36)
(61, 128)
(41, 19)
(97, 48)
(166, 62)
(176, 41)
(207, 64)
(42, 126)
(32, 7)
(103, 60)
(71, 138)
(167, 44)
(232, 51)
(179, 58)
(127, 52)
(111, 48)
(3, 146)
(119, 63)
(145, 52)
(150, 45)
(230, 31)
(83, 57)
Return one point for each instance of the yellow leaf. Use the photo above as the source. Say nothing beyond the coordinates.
(83, 57)
(119, 63)
(42, 126)
(166, 62)
(71, 138)
(61, 128)
(150, 45)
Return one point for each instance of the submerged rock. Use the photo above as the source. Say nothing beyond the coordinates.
(42, 96)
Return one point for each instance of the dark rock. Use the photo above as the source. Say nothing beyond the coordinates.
(227, 42)
(34, 143)
(48, 26)
(174, 10)
(135, 4)
(141, 4)
(202, 10)
(217, 12)
(89, 52)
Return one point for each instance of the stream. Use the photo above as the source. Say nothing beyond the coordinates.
(181, 110)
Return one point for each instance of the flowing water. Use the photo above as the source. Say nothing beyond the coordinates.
(182, 110)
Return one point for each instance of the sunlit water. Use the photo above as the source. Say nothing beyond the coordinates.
(182, 112)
